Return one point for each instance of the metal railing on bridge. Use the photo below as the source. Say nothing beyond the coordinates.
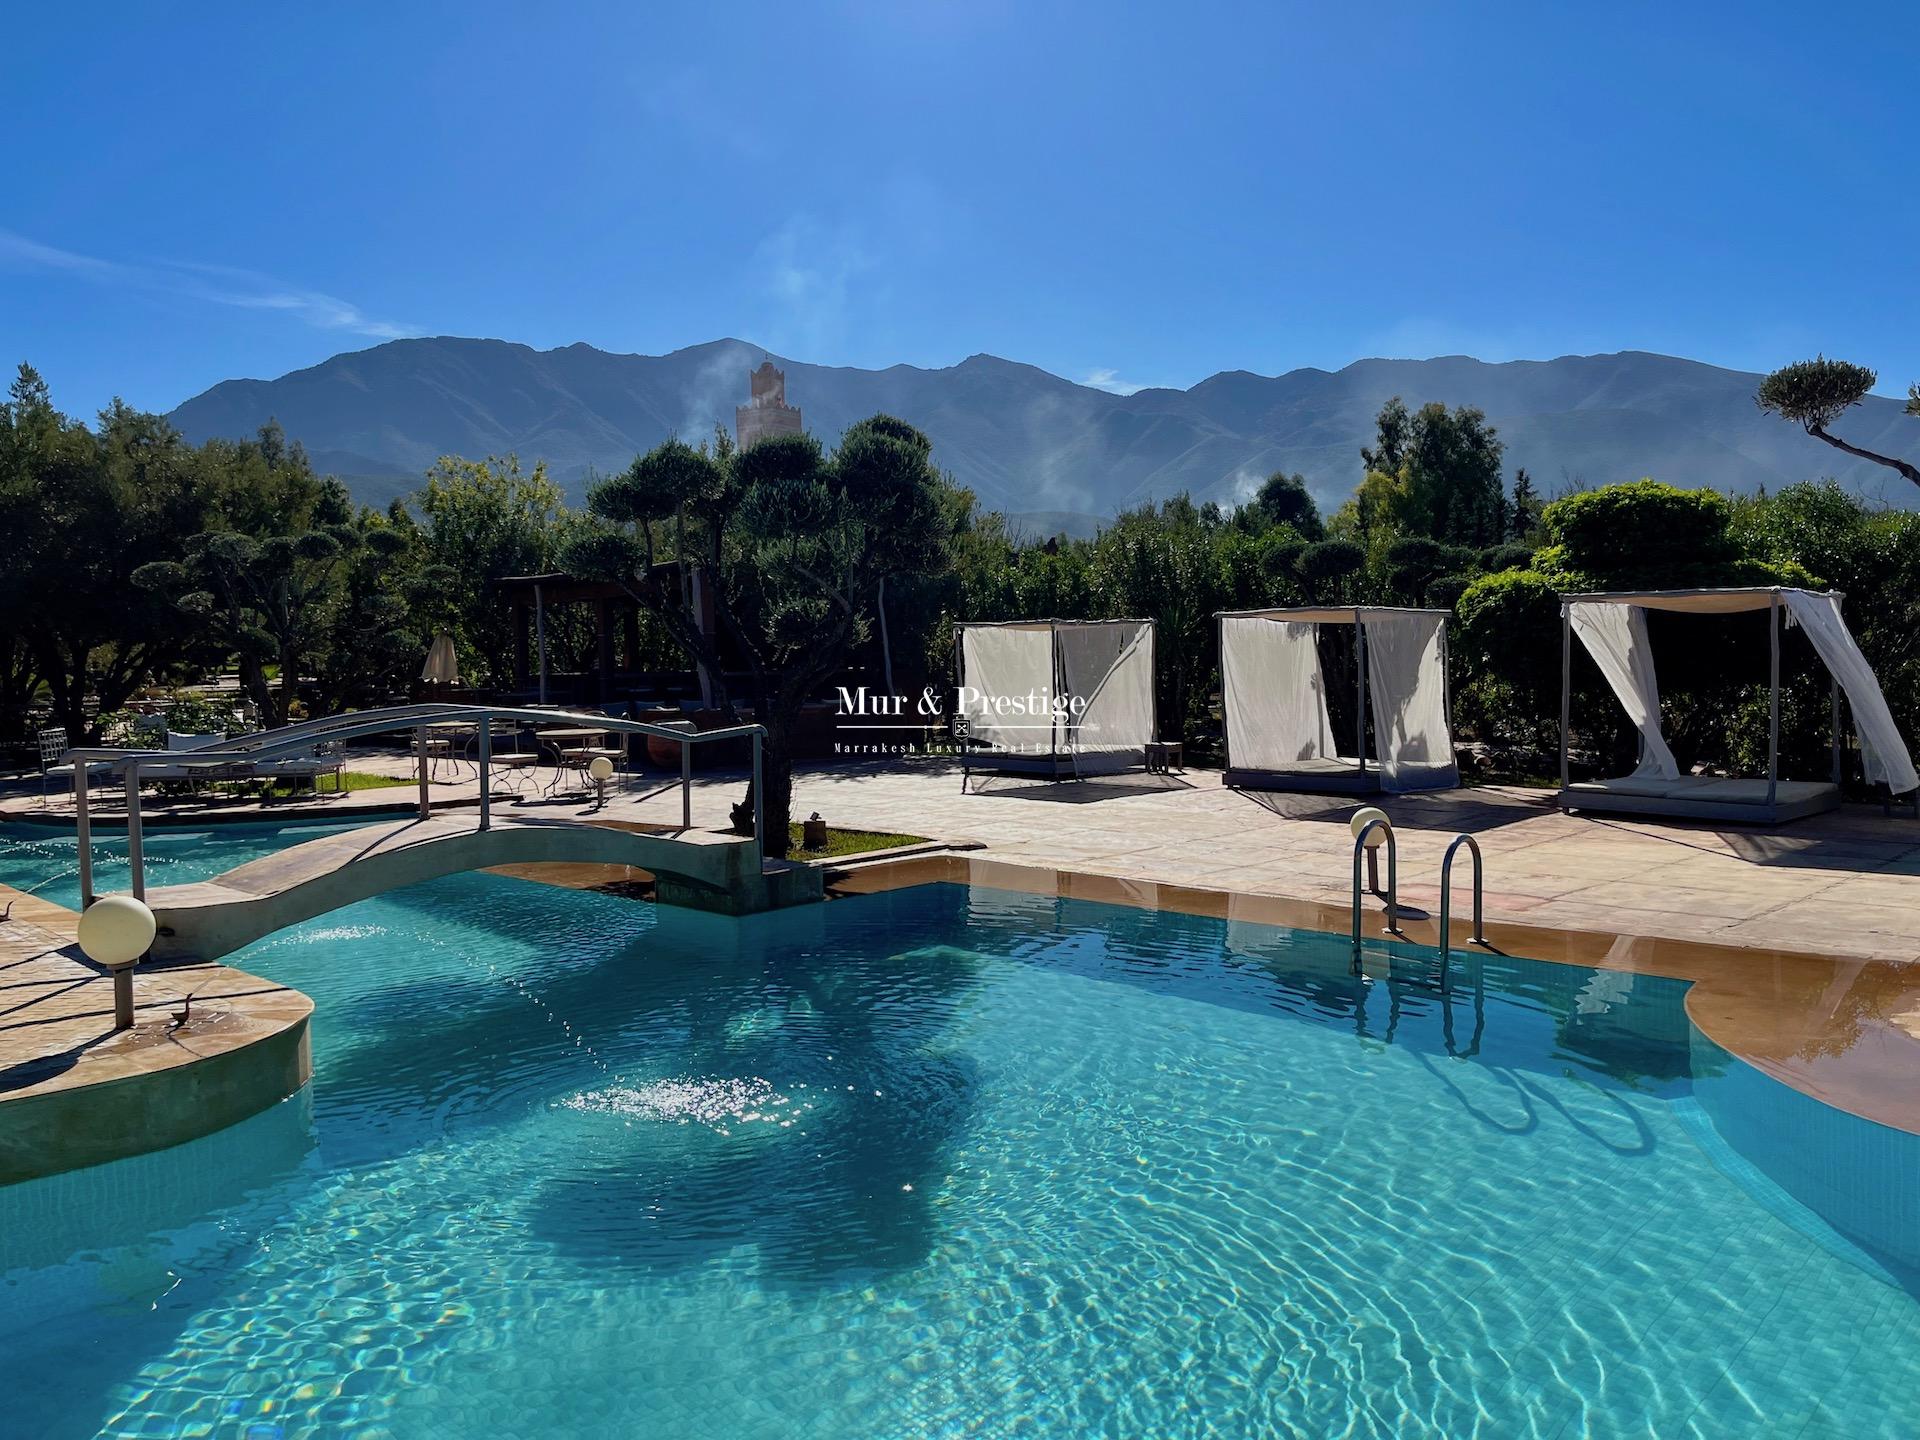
(300, 739)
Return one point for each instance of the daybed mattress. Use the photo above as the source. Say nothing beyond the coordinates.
(1323, 776)
(1702, 797)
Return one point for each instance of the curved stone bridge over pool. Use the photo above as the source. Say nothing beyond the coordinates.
(215, 917)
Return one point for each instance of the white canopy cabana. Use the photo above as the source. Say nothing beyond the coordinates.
(1056, 697)
(1613, 629)
(1278, 732)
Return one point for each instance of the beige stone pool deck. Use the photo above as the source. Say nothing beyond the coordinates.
(73, 1091)
(1845, 883)
(1801, 941)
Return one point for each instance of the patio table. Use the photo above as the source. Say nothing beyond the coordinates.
(455, 741)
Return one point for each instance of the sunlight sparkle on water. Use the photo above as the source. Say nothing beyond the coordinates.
(714, 1102)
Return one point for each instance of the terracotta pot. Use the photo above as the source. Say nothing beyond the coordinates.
(666, 753)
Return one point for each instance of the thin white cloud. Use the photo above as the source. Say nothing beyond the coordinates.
(18, 252)
(209, 284)
(1110, 381)
(250, 290)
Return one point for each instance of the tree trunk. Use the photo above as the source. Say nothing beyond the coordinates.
(253, 680)
(18, 680)
(779, 716)
(776, 768)
(289, 684)
(1912, 472)
(67, 686)
(70, 705)
(683, 628)
(114, 683)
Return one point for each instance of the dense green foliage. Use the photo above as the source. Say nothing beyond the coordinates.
(1815, 392)
(1713, 670)
(795, 545)
(1284, 500)
(138, 563)
(1433, 472)
(482, 520)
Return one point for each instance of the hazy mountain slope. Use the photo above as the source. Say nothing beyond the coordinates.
(1029, 441)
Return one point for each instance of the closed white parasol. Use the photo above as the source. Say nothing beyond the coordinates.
(443, 666)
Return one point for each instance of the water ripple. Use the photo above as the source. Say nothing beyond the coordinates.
(945, 1163)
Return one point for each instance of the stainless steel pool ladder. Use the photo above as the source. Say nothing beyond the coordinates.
(1446, 901)
(1393, 882)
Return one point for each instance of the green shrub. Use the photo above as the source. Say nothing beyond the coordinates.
(1510, 629)
(1806, 730)
(1511, 556)
(1445, 592)
(189, 713)
(1507, 678)
(1520, 741)
(1643, 534)
(1328, 564)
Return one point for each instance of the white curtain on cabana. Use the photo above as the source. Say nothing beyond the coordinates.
(1882, 752)
(1109, 667)
(1616, 637)
(1005, 661)
(1274, 693)
(1407, 691)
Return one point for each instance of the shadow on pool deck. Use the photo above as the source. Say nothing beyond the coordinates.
(1857, 839)
(1068, 791)
(1470, 811)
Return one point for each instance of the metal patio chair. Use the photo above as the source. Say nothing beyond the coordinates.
(53, 744)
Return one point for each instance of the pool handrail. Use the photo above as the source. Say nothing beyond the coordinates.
(1393, 881)
(1446, 901)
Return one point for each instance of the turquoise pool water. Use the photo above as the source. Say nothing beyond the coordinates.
(45, 861)
(956, 1162)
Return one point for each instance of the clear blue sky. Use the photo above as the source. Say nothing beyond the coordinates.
(1131, 194)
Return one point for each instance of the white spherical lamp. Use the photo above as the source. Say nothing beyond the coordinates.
(1364, 817)
(116, 930)
(600, 771)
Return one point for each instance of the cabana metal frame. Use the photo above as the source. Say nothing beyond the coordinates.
(983, 742)
(1655, 788)
(1359, 774)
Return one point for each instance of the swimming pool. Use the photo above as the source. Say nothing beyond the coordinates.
(45, 861)
(953, 1161)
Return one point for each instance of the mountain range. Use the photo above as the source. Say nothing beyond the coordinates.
(1051, 453)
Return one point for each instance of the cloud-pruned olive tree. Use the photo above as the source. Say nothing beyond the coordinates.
(261, 587)
(638, 535)
(791, 544)
(1814, 393)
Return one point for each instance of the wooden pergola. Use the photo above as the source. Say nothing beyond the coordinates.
(615, 612)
